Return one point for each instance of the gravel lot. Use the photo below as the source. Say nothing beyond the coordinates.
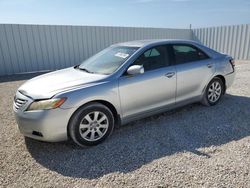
(192, 146)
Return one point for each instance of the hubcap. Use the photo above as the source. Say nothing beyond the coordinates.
(93, 126)
(214, 92)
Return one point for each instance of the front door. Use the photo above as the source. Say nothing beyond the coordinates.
(152, 89)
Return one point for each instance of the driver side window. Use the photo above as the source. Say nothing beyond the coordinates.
(154, 58)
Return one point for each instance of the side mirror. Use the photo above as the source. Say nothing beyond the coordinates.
(135, 69)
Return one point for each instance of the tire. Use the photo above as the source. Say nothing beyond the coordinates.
(91, 124)
(212, 96)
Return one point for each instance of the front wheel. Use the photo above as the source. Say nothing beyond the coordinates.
(214, 92)
(91, 124)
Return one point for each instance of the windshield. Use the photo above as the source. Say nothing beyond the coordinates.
(108, 60)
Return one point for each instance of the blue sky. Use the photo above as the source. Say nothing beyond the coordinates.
(139, 13)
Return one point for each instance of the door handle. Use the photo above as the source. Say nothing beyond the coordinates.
(170, 74)
(209, 65)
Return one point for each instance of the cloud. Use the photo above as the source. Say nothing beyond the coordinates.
(145, 1)
(16, 2)
(153, 1)
(180, 0)
(227, 10)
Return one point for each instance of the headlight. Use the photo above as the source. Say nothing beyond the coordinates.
(46, 104)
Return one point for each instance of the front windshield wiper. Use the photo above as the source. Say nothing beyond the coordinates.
(84, 69)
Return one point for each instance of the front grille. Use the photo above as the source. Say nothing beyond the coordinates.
(18, 103)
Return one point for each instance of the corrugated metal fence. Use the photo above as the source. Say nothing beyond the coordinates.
(28, 48)
(233, 40)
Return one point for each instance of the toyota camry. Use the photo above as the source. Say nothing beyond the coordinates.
(122, 83)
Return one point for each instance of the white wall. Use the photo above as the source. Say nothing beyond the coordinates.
(233, 40)
(29, 48)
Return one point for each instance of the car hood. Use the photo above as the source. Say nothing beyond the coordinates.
(47, 85)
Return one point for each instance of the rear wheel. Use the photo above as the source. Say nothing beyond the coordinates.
(91, 124)
(214, 92)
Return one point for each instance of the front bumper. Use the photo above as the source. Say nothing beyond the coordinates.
(44, 125)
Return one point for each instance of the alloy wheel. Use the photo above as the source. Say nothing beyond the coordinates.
(214, 91)
(93, 126)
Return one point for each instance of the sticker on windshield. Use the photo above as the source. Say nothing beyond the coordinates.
(122, 55)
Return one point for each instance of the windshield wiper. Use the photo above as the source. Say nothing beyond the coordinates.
(83, 69)
(86, 70)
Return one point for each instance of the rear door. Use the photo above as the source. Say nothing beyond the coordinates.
(194, 69)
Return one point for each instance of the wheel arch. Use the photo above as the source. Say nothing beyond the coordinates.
(223, 80)
(112, 108)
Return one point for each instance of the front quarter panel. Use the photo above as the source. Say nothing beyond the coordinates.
(106, 91)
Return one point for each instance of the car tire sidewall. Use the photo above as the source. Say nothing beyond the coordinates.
(207, 101)
(78, 116)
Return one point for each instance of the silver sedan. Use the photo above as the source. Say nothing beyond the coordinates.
(122, 83)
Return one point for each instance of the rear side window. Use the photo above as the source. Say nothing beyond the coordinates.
(187, 53)
(154, 58)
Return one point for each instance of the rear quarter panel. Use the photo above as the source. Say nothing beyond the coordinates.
(223, 66)
(225, 69)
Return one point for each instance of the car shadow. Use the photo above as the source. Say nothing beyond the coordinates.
(186, 129)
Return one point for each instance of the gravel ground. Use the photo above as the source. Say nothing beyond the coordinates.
(192, 146)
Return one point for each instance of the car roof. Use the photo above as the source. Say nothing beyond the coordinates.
(143, 43)
(152, 42)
